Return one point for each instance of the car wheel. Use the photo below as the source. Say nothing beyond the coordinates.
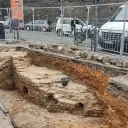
(59, 32)
(44, 29)
(28, 28)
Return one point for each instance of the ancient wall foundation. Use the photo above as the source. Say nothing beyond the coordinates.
(6, 73)
(37, 76)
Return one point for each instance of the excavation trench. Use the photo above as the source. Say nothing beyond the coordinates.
(37, 77)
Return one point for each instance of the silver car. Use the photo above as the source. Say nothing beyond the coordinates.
(39, 25)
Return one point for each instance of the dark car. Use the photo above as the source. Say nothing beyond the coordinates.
(39, 25)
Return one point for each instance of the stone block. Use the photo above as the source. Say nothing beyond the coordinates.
(100, 58)
(112, 61)
(45, 47)
(90, 54)
(37, 46)
(105, 59)
(120, 83)
(77, 53)
(95, 56)
(125, 64)
(73, 47)
(119, 63)
(60, 48)
(68, 51)
(84, 54)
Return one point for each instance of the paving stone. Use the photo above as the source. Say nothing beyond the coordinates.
(4, 121)
(37, 46)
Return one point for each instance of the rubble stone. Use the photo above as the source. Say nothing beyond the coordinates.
(84, 54)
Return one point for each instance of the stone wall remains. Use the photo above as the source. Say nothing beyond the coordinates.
(6, 73)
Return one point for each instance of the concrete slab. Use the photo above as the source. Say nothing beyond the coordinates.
(4, 121)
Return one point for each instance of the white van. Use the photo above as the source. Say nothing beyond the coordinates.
(111, 32)
(67, 27)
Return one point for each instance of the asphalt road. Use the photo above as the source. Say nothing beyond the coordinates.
(49, 37)
(44, 37)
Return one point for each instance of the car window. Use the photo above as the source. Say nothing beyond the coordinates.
(66, 21)
(41, 22)
(36, 22)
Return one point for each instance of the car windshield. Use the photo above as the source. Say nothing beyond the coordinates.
(41, 21)
(119, 15)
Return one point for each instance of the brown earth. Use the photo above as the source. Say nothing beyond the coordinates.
(29, 115)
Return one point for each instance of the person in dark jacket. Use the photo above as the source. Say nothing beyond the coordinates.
(73, 24)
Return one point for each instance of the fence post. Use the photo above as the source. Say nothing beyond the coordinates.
(7, 9)
(88, 17)
(95, 36)
(10, 29)
(123, 34)
(41, 37)
(62, 15)
(33, 16)
(18, 37)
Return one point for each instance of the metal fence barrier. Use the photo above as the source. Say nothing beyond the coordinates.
(55, 25)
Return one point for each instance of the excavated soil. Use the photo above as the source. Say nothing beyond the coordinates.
(29, 115)
(116, 111)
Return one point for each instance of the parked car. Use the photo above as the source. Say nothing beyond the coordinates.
(6, 23)
(39, 25)
(66, 27)
(111, 32)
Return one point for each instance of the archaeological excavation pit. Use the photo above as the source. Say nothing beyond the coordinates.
(36, 77)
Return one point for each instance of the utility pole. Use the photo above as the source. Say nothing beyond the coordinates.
(95, 36)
